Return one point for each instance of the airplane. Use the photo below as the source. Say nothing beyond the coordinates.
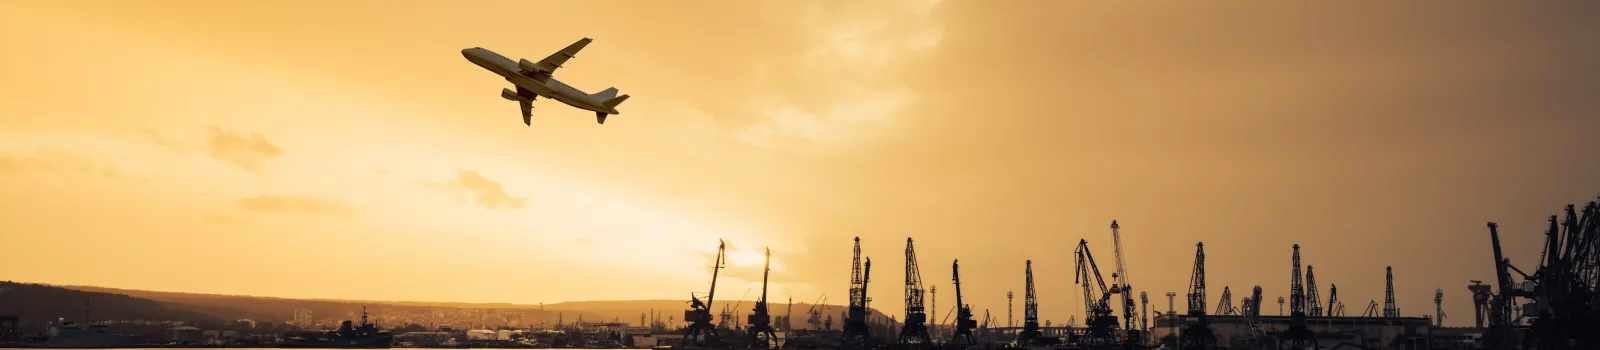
(533, 79)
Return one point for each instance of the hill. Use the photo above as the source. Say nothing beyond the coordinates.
(397, 313)
(37, 304)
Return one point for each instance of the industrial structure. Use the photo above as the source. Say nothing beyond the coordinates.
(962, 337)
(760, 334)
(700, 333)
(857, 334)
(1559, 309)
(914, 332)
(1562, 295)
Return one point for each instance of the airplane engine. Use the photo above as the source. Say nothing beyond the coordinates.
(528, 66)
(511, 95)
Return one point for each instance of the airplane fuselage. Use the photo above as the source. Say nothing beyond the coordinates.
(550, 88)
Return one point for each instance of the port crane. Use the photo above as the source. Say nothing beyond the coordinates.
(1313, 301)
(857, 334)
(1563, 293)
(759, 334)
(1099, 322)
(1225, 305)
(964, 322)
(1198, 336)
(914, 332)
(814, 314)
(1121, 286)
(1298, 336)
(700, 333)
(1335, 307)
(1389, 310)
(1030, 334)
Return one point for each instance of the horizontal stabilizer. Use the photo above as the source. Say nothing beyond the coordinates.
(600, 117)
(615, 101)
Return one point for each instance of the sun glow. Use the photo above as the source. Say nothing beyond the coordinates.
(751, 258)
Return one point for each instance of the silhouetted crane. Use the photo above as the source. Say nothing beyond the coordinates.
(1030, 334)
(1335, 307)
(1389, 310)
(1198, 336)
(759, 333)
(857, 334)
(700, 333)
(964, 322)
(1099, 322)
(1313, 301)
(1225, 304)
(1298, 336)
(914, 332)
(1130, 311)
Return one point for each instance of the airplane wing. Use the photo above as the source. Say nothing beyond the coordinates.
(545, 68)
(527, 111)
(527, 105)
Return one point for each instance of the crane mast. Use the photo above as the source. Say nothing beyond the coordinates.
(964, 322)
(1030, 311)
(1198, 335)
(1313, 301)
(1130, 309)
(1298, 336)
(1101, 324)
(1389, 310)
(915, 329)
(760, 334)
(857, 334)
(1335, 307)
(700, 333)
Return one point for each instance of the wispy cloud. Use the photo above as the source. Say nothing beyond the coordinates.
(294, 204)
(243, 150)
(488, 192)
(160, 140)
(864, 48)
(55, 162)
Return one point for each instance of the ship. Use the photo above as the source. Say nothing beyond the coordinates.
(365, 336)
(74, 335)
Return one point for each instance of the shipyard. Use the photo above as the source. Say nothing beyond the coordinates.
(1531, 311)
(822, 174)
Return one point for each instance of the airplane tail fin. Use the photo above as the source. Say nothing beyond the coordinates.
(606, 94)
(613, 102)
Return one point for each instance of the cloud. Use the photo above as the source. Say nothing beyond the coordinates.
(243, 150)
(55, 162)
(488, 192)
(272, 204)
(159, 140)
(863, 49)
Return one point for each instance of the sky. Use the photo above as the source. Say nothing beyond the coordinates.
(347, 149)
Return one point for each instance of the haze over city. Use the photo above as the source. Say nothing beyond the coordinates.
(346, 150)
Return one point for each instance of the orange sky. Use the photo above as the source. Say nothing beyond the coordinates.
(347, 150)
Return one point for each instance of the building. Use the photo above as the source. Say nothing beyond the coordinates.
(8, 327)
(185, 334)
(1233, 332)
(1458, 337)
(482, 334)
(302, 318)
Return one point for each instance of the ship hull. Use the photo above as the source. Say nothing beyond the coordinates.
(381, 342)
